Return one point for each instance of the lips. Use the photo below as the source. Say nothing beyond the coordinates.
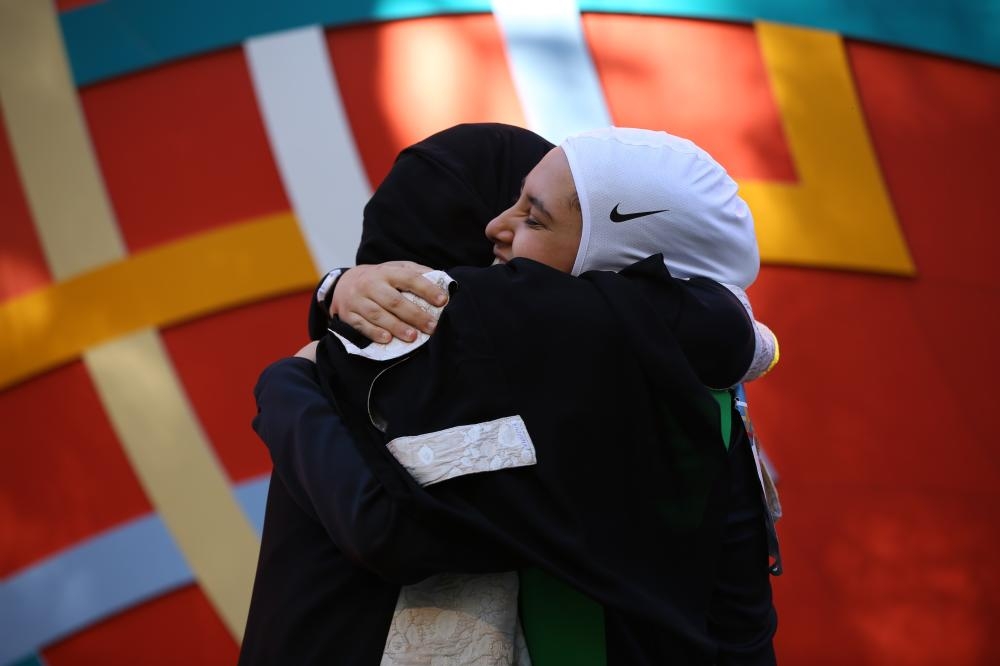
(500, 259)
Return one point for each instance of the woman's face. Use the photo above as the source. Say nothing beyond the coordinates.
(544, 223)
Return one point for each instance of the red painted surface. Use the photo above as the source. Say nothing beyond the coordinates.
(702, 80)
(177, 628)
(419, 77)
(879, 414)
(183, 149)
(69, 5)
(64, 477)
(218, 359)
(934, 124)
(22, 263)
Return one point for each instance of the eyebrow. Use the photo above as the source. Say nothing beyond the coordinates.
(537, 203)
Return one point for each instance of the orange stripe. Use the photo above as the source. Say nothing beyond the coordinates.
(171, 283)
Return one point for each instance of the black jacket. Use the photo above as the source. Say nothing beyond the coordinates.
(627, 499)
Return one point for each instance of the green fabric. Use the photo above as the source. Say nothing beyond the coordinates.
(562, 626)
(725, 400)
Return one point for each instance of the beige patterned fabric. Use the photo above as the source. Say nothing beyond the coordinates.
(454, 619)
(766, 352)
(458, 619)
(480, 447)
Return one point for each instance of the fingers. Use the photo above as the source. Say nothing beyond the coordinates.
(369, 298)
(375, 318)
(358, 322)
(417, 284)
(397, 314)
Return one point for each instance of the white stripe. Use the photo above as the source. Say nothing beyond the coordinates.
(551, 66)
(311, 140)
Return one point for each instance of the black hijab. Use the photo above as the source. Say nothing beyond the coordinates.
(441, 192)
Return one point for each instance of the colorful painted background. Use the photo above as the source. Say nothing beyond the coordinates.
(175, 175)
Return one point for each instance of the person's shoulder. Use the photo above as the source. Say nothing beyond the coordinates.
(519, 272)
(522, 291)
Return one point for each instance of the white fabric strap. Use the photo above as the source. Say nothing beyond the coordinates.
(481, 447)
(327, 284)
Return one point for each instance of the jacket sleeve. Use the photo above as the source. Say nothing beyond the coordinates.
(319, 304)
(322, 469)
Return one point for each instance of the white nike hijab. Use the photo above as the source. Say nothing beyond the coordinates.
(643, 192)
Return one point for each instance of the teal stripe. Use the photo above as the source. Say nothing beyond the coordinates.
(115, 37)
(966, 29)
(30, 660)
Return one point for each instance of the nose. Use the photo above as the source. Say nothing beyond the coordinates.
(498, 230)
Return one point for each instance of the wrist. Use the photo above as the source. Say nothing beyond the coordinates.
(326, 289)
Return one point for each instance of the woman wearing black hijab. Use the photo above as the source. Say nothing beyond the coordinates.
(432, 207)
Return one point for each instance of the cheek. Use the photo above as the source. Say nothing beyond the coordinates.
(531, 246)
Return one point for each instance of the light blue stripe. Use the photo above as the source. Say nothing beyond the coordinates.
(252, 496)
(83, 584)
(115, 37)
(550, 63)
(104, 575)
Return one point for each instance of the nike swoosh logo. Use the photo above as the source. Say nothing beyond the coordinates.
(625, 217)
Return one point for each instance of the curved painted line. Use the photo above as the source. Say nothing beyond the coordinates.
(116, 37)
(312, 140)
(134, 376)
(802, 224)
(51, 146)
(550, 63)
(807, 223)
(104, 575)
(173, 282)
(177, 468)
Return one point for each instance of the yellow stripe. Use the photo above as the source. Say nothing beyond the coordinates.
(176, 465)
(49, 140)
(839, 214)
(133, 375)
(777, 356)
(170, 283)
